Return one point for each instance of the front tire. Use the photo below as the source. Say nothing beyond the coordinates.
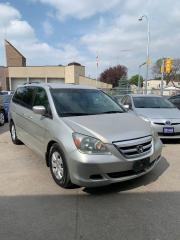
(14, 138)
(2, 118)
(58, 167)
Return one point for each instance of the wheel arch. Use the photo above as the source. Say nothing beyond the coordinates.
(48, 151)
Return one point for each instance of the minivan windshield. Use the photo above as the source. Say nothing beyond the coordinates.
(79, 102)
(152, 102)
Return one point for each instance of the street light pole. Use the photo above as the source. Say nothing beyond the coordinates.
(139, 76)
(162, 76)
(148, 43)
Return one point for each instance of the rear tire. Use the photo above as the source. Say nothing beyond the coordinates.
(2, 118)
(58, 167)
(14, 138)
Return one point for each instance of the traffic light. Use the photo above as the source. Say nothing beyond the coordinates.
(161, 68)
(168, 65)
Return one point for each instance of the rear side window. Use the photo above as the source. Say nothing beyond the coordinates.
(17, 98)
(24, 96)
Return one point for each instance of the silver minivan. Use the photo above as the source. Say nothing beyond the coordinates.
(85, 137)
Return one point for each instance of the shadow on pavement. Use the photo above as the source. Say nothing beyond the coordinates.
(170, 141)
(4, 128)
(132, 184)
(131, 216)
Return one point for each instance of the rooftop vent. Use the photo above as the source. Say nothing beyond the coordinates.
(74, 63)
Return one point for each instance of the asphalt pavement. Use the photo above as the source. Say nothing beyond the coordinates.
(33, 207)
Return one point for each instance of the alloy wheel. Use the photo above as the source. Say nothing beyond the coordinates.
(13, 132)
(57, 165)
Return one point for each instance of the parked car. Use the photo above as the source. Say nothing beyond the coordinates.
(6, 92)
(118, 98)
(4, 103)
(86, 138)
(175, 100)
(162, 114)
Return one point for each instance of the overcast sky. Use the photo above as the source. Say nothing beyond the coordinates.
(61, 31)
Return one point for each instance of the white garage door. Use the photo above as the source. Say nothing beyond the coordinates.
(16, 82)
(36, 80)
(55, 80)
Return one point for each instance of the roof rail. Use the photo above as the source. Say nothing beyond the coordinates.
(73, 83)
(30, 83)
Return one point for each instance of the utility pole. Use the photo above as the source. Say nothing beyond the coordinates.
(148, 43)
(162, 75)
(97, 68)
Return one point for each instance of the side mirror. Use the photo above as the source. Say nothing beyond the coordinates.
(40, 110)
(126, 107)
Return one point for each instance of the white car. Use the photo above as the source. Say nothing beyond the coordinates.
(161, 113)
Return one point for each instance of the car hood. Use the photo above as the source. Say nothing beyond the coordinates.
(159, 113)
(109, 127)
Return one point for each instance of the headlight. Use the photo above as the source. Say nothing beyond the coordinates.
(89, 145)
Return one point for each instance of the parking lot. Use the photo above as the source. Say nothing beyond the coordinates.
(32, 206)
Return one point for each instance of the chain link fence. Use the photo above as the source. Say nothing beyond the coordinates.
(124, 91)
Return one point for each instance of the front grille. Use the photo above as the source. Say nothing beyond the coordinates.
(135, 148)
(163, 124)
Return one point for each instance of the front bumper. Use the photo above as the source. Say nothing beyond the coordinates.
(159, 129)
(99, 170)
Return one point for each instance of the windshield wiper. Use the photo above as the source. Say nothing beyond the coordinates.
(86, 114)
(74, 114)
(109, 112)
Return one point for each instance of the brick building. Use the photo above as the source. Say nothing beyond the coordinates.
(17, 73)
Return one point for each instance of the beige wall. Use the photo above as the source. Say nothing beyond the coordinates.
(92, 82)
(69, 74)
(13, 56)
(37, 72)
(3, 78)
(73, 72)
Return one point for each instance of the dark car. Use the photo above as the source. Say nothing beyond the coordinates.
(175, 100)
(6, 92)
(4, 107)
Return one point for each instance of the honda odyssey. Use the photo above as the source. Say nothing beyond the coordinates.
(85, 137)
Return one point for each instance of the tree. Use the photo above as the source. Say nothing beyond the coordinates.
(175, 70)
(134, 80)
(123, 85)
(112, 75)
(174, 75)
(156, 69)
